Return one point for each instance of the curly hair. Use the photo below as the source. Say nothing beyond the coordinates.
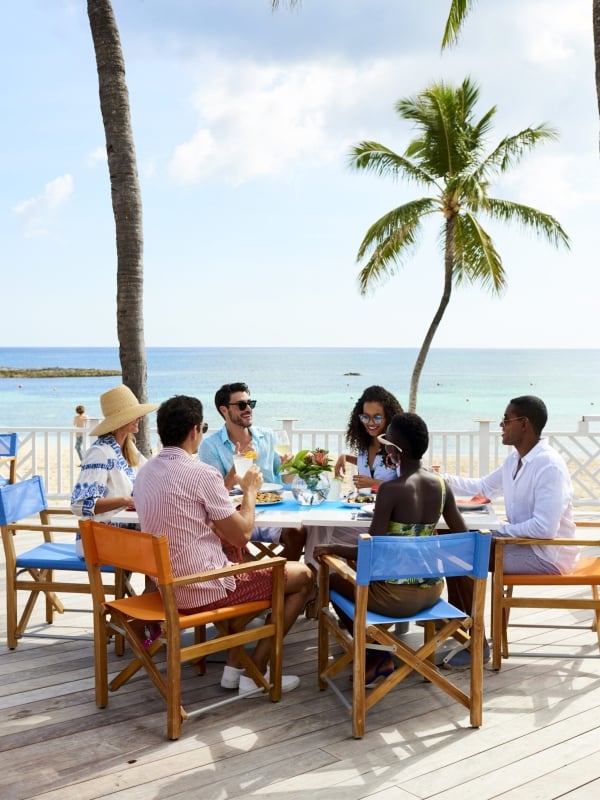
(413, 430)
(356, 434)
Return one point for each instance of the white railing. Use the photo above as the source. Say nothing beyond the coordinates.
(50, 452)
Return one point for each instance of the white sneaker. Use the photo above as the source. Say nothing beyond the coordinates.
(230, 679)
(288, 683)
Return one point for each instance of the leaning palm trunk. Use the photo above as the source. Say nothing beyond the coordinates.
(435, 322)
(126, 201)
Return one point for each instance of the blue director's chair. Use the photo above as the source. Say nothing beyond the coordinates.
(383, 558)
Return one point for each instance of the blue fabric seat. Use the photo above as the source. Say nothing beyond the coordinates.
(24, 513)
(382, 558)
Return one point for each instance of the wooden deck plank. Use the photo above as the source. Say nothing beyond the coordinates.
(538, 739)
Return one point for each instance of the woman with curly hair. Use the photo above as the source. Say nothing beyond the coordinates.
(372, 413)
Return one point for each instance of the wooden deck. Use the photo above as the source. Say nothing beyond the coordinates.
(540, 738)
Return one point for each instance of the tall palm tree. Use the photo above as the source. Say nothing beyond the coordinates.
(460, 8)
(126, 202)
(448, 158)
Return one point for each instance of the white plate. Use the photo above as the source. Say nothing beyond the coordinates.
(271, 487)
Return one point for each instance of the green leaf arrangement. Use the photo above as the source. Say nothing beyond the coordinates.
(308, 463)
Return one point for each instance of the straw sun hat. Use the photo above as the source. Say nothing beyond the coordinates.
(120, 406)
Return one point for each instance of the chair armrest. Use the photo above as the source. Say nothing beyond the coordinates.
(233, 569)
(341, 567)
(45, 529)
(503, 541)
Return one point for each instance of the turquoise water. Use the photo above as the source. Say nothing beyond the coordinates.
(311, 385)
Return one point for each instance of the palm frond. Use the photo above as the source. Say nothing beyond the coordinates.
(511, 150)
(476, 260)
(458, 12)
(389, 240)
(529, 218)
(380, 160)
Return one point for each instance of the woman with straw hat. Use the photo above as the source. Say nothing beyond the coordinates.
(105, 482)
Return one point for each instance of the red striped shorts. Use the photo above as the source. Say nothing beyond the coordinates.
(249, 586)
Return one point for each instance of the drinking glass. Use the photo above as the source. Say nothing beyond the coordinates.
(282, 443)
(242, 465)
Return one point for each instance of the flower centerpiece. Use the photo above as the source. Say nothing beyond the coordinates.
(310, 485)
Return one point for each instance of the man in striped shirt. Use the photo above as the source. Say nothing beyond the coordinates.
(183, 497)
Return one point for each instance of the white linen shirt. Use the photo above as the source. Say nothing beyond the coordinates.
(179, 495)
(538, 501)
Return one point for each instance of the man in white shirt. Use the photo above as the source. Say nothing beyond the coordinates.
(538, 499)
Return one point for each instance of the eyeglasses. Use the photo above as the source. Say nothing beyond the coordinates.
(243, 404)
(204, 427)
(505, 420)
(364, 418)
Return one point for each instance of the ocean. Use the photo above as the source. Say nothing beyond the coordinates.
(317, 387)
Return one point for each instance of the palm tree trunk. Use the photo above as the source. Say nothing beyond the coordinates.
(126, 201)
(431, 331)
(596, 26)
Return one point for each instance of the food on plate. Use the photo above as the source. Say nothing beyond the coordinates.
(360, 498)
(268, 497)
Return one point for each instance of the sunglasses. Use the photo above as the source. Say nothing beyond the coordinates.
(243, 404)
(204, 427)
(382, 440)
(364, 418)
(505, 420)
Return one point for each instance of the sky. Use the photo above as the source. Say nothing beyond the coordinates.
(243, 120)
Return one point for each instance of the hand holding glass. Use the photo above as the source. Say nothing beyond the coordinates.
(282, 443)
(242, 465)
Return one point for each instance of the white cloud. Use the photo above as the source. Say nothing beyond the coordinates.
(271, 118)
(553, 32)
(96, 155)
(36, 212)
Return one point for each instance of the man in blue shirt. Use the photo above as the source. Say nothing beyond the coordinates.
(239, 436)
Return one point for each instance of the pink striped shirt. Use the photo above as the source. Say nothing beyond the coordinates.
(179, 495)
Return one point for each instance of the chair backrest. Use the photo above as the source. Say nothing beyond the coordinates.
(107, 545)
(21, 499)
(8, 454)
(8, 445)
(383, 558)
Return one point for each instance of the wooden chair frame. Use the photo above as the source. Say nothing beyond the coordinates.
(384, 558)
(149, 553)
(585, 573)
(33, 570)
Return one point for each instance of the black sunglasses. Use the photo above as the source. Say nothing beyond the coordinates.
(204, 427)
(243, 404)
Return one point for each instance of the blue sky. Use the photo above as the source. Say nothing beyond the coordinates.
(243, 120)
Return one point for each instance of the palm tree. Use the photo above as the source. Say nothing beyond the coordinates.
(448, 157)
(460, 8)
(126, 202)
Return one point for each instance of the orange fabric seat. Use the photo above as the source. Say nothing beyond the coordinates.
(149, 553)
